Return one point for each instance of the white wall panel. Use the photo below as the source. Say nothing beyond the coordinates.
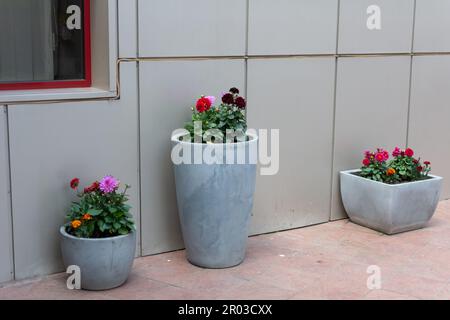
(295, 96)
(429, 130)
(292, 26)
(192, 28)
(432, 26)
(371, 111)
(168, 90)
(127, 16)
(50, 144)
(394, 35)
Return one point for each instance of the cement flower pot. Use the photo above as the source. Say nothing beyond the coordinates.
(104, 263)
(215, 203)
(389, 208)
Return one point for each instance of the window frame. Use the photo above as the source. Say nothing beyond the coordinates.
(57, 84)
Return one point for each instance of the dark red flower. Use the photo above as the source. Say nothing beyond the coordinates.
(228, 98)
(366, 162)
(203, 104)
(415, 161)
(427, 163)
(240, 102)
(74, 183)
(420, 168)
(92, 188)
(234, 90)
(409, 152)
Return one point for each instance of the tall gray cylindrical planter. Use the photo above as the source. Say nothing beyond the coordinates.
(389, 208)
(215, 202)
(104, 263)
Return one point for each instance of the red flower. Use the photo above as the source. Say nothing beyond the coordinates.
(74, 183)
(427, 163)
(93, 187)
(203, 104)
(366, 162)
(228, 98)
(420, 168)
(415, 161)
(409, 152)
(240, 102)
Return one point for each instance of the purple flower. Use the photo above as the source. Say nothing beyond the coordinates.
(109, 184)
(211, 99)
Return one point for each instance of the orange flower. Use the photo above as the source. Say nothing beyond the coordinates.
(391, 172)
(87, 217)
(76, 224)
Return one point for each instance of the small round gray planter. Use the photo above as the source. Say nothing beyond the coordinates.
(389, 208)
(215, 203)
(104, 263)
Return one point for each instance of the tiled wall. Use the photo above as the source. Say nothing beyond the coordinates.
(328, 109)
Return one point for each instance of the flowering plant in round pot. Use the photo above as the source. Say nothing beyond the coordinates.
(100, 235)
(391, 196)
(215, 173)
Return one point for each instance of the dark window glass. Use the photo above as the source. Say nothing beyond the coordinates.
(41, 40)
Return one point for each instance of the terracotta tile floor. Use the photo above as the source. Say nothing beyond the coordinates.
(327, 261)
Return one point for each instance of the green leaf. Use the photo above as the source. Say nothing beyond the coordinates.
(94, 212)
(112, 209)
(101, 225)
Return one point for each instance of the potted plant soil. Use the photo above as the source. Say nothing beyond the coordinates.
(215, 172)
(100, 236)
(391, 196)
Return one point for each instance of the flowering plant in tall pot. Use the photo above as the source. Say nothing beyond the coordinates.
(391, 195)
(99, 236)
(215, 171)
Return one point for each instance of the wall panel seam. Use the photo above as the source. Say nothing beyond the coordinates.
(333, 138)
(138, 92)
(408, 116)
(10, 192)
(137, 29)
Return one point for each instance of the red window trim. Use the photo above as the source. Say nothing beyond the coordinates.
(87, 82)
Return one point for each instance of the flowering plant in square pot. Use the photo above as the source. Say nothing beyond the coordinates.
(214, 159)
(99, 236)
(391, 195)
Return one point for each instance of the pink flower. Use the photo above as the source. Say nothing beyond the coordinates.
(396, 152)
(211, 99)
(109, 184)
(366, 162)
(379, 157)
(368, 154)
(382, 155)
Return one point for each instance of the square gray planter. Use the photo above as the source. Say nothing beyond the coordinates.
(389, 208)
